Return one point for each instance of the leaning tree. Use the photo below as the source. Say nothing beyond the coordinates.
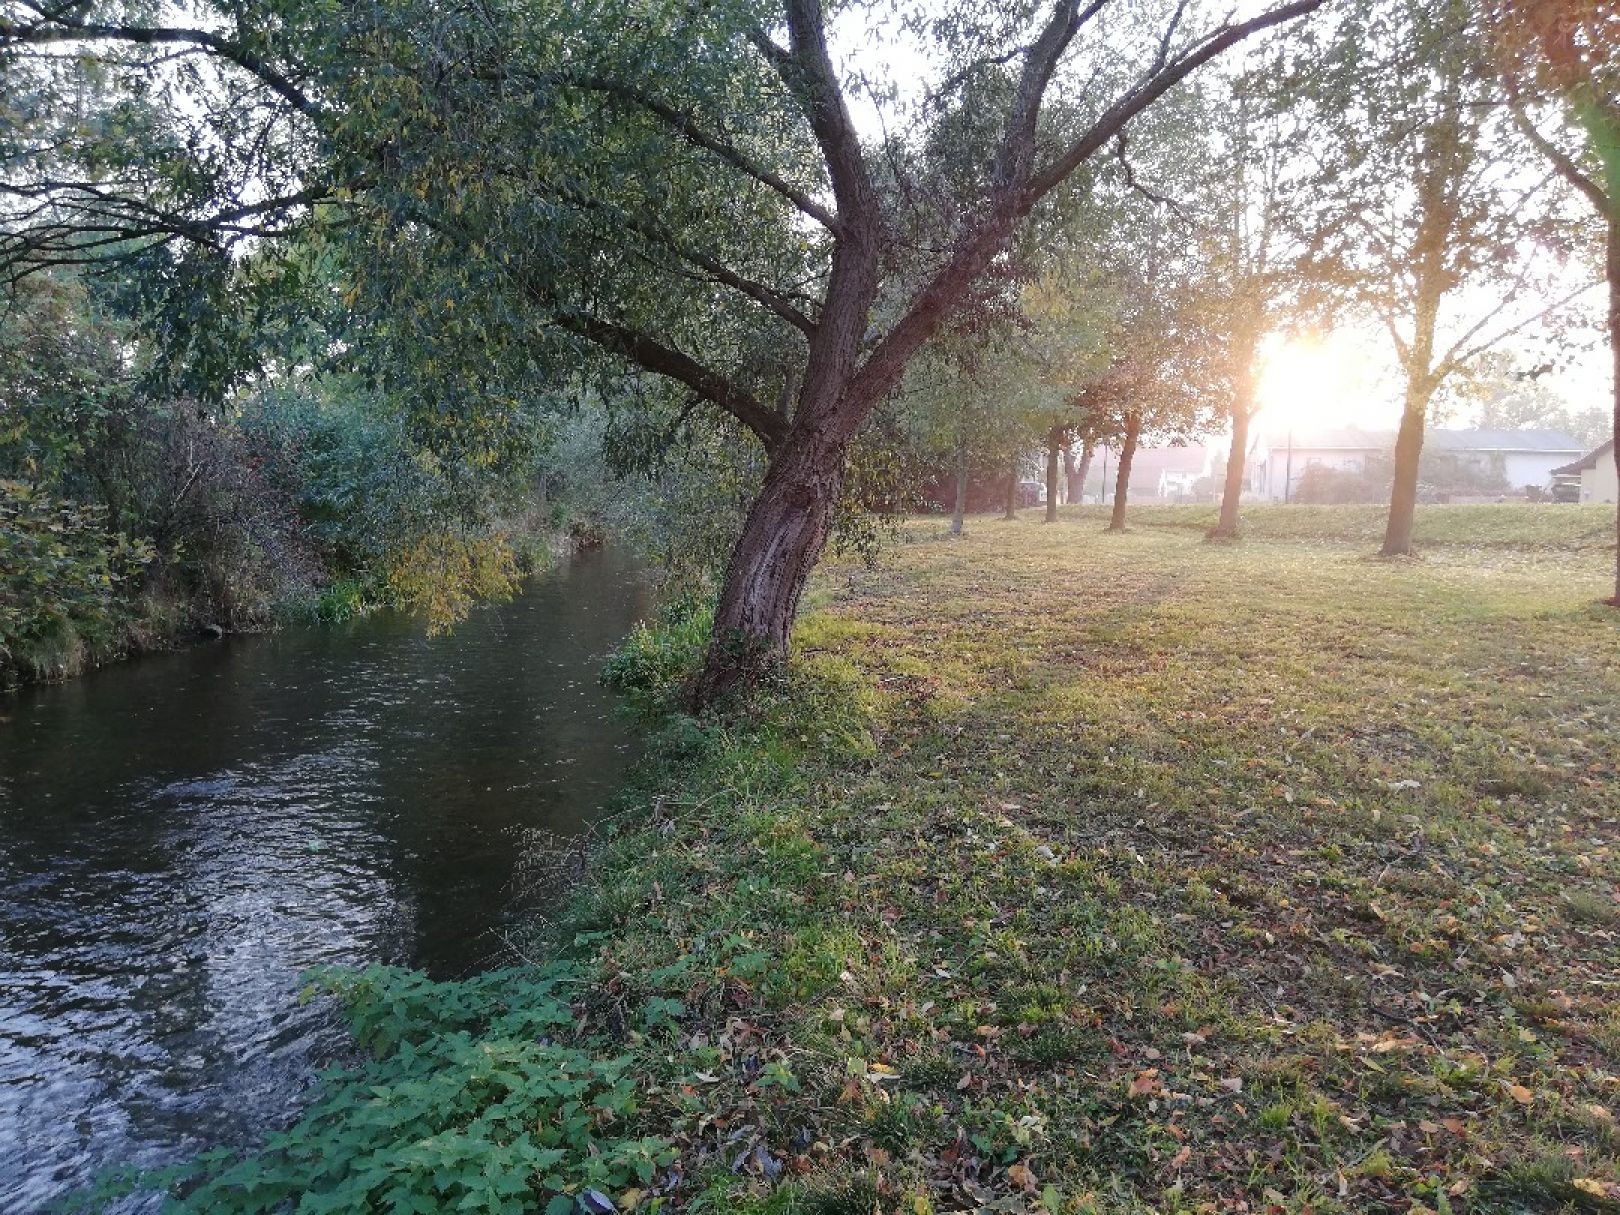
(670, 188)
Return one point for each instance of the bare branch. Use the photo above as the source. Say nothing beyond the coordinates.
(1147, 192)
(62, 29)
(1154, 86)
(1460, 353)
(686, 126)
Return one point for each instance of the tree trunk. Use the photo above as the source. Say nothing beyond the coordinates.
(961, 489)
(1122, 478)
(784, 534)
(1077, 483)
(1613, 273)
(1226, 528)
(1054, 443)
(1408, 455)
(1012, 493)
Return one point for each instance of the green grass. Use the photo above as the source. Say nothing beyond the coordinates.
(1542, 527)
(1184, 877)
(1125, 873)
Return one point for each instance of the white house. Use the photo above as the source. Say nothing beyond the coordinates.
(1279, 459)
(1599, 480)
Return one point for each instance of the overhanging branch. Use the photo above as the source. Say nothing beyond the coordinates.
(655, 356)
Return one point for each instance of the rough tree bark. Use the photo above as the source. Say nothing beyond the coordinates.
(1408, 458)
(1077, 484)
(1227, 526)
(1054, 445)
(1011, 511)
(1122, 478)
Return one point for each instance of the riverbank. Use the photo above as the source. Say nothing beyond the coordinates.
(1068, 872)
(79, 598)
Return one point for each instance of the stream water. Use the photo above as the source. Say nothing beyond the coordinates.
(182, 836)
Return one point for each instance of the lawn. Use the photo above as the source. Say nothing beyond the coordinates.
(1066, 872)
(1156, 875)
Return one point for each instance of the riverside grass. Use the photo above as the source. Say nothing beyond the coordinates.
(1073, 872)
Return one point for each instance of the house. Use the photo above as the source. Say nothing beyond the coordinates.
(1523, 458)
(1277, 460)
(1515, 459)
(1599, 481)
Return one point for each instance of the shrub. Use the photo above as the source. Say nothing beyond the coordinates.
(654, 663)
(65, 582)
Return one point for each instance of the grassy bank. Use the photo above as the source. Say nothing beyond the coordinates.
(1070, 872)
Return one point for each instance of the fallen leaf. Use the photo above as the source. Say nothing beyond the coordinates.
(1020, 1175)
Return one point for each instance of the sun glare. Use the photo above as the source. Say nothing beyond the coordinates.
(1314, 382)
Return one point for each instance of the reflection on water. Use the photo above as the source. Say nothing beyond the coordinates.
(180, 837)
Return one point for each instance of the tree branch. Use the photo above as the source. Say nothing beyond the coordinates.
(810, 73)
(684, 125)
(1154, 86)
(978, 247)
(654, 356)
(1563, 163)
(62, 29)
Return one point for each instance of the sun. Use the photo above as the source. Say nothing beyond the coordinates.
(1312, 381)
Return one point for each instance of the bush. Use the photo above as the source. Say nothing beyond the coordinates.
(65, 583)
(652, 665)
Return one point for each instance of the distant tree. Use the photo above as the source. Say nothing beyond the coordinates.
(1504, 395)
(1253, 234)
(1431, 224)
(1565, 58)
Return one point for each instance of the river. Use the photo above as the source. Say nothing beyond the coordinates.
(182, 835)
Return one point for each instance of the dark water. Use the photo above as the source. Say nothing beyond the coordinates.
(181, 836)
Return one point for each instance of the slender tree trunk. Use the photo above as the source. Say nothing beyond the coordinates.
(1122, 479)
(1408, 456)
(1054, 443)
(961, 489)
(1012, 493)
(1226, 528)
(1613, 273)
(1077, 482)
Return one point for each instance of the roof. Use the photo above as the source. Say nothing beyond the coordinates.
(1589, 460)
(1191, 458)
(1354, 438)
(1332, 438)
(1555, 441)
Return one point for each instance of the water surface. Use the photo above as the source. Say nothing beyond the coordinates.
(181, 836)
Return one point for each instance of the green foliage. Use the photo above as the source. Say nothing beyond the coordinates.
(471, 1101)
(64, 582)
(652, 666)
